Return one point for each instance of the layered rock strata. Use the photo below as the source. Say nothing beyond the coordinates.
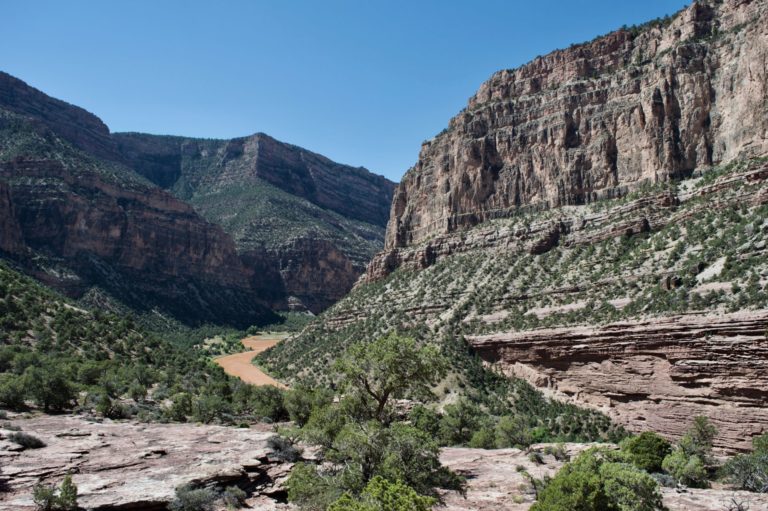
(653, 374)
(142, 245)
(594, 120)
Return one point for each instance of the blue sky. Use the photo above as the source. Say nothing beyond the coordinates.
(362, 82)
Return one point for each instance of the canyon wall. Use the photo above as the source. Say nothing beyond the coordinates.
(651, 374)
(143, 246)
(596, 120)
(208, 230)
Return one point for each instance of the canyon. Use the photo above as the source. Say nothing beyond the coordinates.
(594, 222)
(101, 217)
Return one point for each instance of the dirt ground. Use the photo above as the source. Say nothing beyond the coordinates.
(239, 364)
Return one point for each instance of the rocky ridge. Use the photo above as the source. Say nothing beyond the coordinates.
(652, 374)
(595, 120)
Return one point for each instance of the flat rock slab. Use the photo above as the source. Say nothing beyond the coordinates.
(495, 481)
(121, 465)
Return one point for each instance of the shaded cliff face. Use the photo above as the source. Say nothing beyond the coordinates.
(78, 221)
(595, 120)
(317, 221)
(142, 246)
(265, 222)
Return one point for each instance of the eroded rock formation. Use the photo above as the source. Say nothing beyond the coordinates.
(654, 374)
(130, 466)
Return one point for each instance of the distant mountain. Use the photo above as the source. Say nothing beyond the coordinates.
(320, 221)
(83, 210)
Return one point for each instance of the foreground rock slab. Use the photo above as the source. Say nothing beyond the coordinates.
(125, 466)
(496, 481)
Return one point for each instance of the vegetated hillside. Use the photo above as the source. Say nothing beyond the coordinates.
(696, 249)
(51, 350)
(320, 221)
(575, 201)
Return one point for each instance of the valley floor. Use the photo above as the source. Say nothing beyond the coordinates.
(240, 365)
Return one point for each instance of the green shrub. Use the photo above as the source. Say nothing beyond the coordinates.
(301, 400)
(283, 449)
(687, 469)
(698, 440)
(49, 388)
(426, 419)
(233, 497)
(750, 471)
(12, 391)
(181, 407)
(599, 480)
(50, 498)
(483, 438)
(26, 440)
(646, 450)
(268, 403)
(382, 495)
(310, 490)
(459, 422)
(193, 499)
(512, 432)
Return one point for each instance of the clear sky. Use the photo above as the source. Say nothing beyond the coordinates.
(363, 82)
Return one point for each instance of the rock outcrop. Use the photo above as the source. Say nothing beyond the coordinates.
(653, 374)
(131, 466)
(596, 120)
(494, 482)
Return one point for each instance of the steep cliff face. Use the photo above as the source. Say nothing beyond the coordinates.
(318, 221)
(141, 245)
(595, 120)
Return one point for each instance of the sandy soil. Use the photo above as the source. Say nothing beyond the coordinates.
(240, 365)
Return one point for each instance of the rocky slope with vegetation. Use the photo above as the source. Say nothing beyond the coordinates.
(320, 222)
(85, 211)
(505, 237)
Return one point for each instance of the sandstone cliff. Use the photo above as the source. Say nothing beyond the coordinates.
(595, 120)
(651, 374)
(141, 245)
(317, 221)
